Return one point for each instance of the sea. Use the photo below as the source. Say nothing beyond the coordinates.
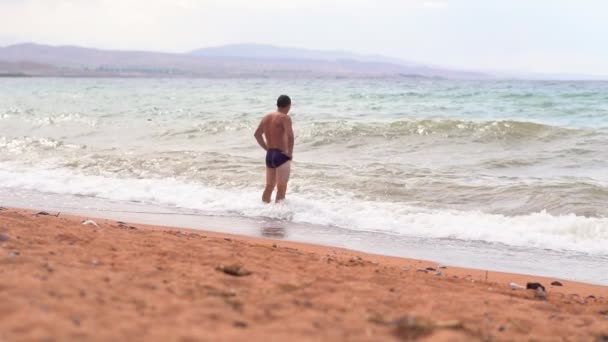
(499, 174)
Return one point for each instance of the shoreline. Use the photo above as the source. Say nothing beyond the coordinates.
(477, 274)
(479, 255)
(65, 280)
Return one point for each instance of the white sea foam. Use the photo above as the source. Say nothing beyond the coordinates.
(25, 144)
(60, 118)
(540, 230)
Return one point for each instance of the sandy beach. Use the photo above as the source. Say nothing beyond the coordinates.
(63, 280)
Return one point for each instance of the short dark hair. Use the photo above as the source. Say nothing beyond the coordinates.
(283, 101)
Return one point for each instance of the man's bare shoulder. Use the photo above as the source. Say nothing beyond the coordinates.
(269, 115)
(277, 117)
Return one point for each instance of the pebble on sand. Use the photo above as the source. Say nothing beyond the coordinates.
(412, 328)
(535, 286)
(515, 286)
(90, 223)
(234, 270)
(240, 324)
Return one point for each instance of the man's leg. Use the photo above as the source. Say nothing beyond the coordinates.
(283, 172)
(271, 181)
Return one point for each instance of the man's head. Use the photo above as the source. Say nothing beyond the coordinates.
(284, 104)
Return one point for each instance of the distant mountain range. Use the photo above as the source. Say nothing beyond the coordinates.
(244, 60)
(270, 51)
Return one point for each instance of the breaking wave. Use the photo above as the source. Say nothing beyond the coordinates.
(537, 230)
(349, 129)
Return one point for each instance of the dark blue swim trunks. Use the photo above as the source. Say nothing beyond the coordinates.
(275, 158)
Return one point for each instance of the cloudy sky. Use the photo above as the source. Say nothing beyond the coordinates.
(556, 36)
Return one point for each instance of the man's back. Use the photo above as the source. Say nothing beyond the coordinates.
(274, 130)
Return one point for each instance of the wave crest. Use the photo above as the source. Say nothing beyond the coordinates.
(450, 129)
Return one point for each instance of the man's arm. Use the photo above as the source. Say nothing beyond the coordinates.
(259, 135)
(288, 129)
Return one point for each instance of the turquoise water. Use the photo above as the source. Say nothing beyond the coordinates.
(511, 162)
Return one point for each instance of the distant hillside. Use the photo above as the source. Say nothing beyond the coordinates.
(228, 61)
(270, 51)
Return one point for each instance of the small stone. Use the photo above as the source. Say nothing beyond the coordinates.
(12, 254)
(90, 223)
(2, 208)
(240, 324)
(515, 286)
(376, 318)
(443, 267)
(76, 321)
(4, 237)
(274, 245)
(405, 268)
(228, 239)
(48, 268)
(234, 270)
(557, 283)
(422, 270)
(411, 329)
(501, 328)
(454, 324)
(432, 269)
(535, 286)
(437, 274)
(43, 213)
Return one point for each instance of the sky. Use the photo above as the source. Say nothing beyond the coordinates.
(544, 36)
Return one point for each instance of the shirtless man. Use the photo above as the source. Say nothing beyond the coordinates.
(276, 128)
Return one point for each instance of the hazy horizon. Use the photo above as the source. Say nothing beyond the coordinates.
(554, 37)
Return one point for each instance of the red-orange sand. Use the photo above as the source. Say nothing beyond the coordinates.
(61, 280)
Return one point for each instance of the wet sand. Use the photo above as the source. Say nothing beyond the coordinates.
(63, 280)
